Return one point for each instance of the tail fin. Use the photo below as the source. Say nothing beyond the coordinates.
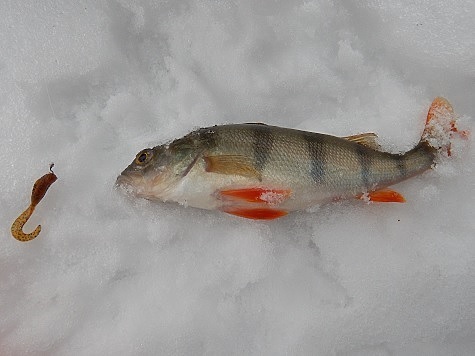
(441, 126)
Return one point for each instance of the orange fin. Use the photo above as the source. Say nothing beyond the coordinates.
(232, 164)
(384, 196)
(366, 139)
(256, 214)
(441, 125)
(441, 106)
(257, 195)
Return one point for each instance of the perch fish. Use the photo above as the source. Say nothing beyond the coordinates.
(258, 171)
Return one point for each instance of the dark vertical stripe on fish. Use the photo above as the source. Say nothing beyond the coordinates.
(365, 163)
(263, 140)
(317, 158)
(401, 166)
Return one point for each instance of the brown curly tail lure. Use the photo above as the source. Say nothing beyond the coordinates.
(39, 190)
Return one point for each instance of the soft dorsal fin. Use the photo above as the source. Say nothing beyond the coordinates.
(366, 139)
(232, 164)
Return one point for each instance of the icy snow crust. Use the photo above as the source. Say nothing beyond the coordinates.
(87, 84)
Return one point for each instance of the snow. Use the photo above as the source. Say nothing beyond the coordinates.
(88, 84)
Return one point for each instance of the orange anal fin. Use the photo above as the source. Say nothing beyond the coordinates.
(384, 196)
(256, 214)
(256, 195)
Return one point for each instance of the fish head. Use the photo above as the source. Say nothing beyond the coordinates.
(152, 173)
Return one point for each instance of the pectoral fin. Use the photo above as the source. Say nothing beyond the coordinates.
(232, 164)
(366, 139)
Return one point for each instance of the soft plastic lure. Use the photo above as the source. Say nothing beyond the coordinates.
(39, 190)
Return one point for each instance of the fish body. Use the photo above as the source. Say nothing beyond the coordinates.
(263, 172)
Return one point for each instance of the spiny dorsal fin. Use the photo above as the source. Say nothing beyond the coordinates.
(366, 139)
(232, 164)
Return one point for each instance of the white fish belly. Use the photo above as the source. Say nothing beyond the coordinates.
(201, 189)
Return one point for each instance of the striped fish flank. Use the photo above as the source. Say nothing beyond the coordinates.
(263, 172)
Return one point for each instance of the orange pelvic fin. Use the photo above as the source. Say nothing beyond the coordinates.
(366, 139)
(256, 214)
(383, 196)
(257, 195)
(232, 164)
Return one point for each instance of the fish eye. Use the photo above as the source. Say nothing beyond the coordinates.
(143, 157)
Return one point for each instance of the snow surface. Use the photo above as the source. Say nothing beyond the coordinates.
(87, 84)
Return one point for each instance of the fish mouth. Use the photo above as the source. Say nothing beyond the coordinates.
(134, 185)
(123, 181)
(129, 184)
